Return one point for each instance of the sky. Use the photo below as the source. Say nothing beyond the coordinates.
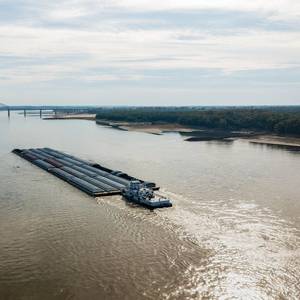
(156, 52)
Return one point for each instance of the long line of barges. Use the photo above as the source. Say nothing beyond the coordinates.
(89, 177)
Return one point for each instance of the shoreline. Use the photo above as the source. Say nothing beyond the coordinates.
(292, 143)
(192, 134)
(157, 129)
(90, 117)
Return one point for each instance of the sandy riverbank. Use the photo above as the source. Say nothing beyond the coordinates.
(193, 133)
(275, 140)
(157, 128)
(146, 127)
(190, 132)
(91, 117)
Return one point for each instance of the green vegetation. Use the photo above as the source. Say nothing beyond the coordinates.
(285, 120)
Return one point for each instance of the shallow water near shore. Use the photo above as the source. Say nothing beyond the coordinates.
(233, 233)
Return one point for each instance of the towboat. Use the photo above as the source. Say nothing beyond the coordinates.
(139, 193)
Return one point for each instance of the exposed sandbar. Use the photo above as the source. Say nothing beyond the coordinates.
(90, 117)
(275, 140)
(191, 133)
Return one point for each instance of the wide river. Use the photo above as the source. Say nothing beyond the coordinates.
(233, 233)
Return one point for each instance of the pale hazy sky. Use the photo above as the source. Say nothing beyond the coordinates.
(156, 52)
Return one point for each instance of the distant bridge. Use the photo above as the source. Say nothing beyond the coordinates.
(42, 108)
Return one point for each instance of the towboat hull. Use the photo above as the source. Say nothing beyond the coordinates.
(149, 204)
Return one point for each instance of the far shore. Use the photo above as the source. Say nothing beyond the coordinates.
(275, 140)
(157, 129)
(193, 134)
(90, 117)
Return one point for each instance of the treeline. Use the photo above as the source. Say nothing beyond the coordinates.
(269, 120)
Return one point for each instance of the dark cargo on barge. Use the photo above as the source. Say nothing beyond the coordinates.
(89, 177)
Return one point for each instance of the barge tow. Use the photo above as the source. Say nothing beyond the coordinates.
(92, 178)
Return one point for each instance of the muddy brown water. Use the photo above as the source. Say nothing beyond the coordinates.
(233, 232)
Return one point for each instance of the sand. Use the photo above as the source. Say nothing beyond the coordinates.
(159, 129)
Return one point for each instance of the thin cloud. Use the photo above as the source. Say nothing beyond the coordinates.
(122, 40)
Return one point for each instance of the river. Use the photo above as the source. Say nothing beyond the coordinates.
(233, 233)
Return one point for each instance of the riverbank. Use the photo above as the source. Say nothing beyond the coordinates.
(194, 134)
(90, 117)
(191, 134)
(292, 143)
(158, 128)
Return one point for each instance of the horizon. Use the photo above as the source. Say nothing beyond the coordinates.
(150, 53)
(149, 106)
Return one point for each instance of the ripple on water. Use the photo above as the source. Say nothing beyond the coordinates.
(254, 253)
(215, 243)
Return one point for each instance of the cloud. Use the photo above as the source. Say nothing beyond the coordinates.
(277, 9)
(280, 9)
(116, 41)
(155, 49)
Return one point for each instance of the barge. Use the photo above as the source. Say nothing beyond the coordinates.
(91, 178)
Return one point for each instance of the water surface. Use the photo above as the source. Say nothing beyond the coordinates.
(233, 232)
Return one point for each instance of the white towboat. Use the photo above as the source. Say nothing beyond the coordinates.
(137, 192)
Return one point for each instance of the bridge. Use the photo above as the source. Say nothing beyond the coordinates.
(41, 108)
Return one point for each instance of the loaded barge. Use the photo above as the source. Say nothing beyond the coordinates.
(92, 178)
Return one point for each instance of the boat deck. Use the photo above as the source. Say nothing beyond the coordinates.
(89, 177)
